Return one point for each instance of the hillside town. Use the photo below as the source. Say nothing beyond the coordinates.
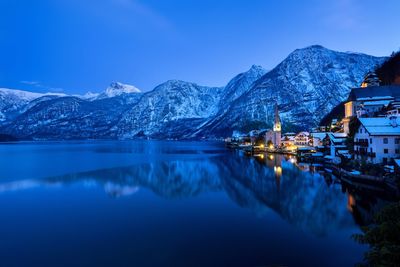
(364, 143)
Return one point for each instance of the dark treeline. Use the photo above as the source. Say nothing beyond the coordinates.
(389, 71)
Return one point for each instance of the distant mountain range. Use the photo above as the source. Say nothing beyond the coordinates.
(306, 86)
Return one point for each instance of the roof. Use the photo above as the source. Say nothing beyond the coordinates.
(320, 135)
(288, 138)
(340, 135)
(303, 133)
(397, 161)
(380, 126)
(289, 134)
(375, 93)
(377, 103)
(337, 138)
(317, 154)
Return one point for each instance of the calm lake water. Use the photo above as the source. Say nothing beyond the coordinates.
(154, 203)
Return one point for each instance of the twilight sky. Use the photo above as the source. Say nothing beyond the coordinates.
(74, 46)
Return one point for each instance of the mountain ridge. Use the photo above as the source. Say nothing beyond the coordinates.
(305, 85)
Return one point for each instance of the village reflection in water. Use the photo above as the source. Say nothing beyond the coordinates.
(300, 193)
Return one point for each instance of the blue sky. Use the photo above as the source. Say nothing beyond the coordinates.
(76, 46)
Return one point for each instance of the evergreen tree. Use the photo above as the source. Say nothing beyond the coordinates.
(389, 71)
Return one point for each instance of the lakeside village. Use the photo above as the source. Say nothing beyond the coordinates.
(364, 146)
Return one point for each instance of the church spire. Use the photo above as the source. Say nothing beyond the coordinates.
(277, 121)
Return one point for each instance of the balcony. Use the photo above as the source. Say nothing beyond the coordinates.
(365, 154)
(361, 143)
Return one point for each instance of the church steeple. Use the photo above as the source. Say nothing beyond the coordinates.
(277, 121)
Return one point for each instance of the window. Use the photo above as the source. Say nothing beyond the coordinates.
(370, 150)
(360, 130)
(397, 151)
(397, 141)
(384, 160)
(370, 140)
(386, 151)
(385, 141)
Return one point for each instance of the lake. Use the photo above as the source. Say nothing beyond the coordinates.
(165, 203)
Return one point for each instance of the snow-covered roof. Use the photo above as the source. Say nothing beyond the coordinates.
(303, 133)
(375, 93)
(288, 138)
(317, 154)
(397, 162)
(320, 135)
(375, 98)
(337, 137)
(305, 148)
(377, 103)
(340, 135)
(380, 126)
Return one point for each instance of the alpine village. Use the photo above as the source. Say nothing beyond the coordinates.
(359, 141)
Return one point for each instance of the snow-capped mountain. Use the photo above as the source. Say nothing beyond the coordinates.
(306, 86)
(71, 118)
(171, 109)
(12, 101)
(117, 89)
(235, 88)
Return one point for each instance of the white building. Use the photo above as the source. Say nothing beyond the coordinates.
(369, 101)
(337, 144)
(377, 140)
(302, 139)
(288, 139)
(317, 138)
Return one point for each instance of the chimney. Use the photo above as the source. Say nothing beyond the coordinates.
(393, 121)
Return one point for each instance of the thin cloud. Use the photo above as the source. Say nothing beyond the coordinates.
(43, 87)
(34, 83)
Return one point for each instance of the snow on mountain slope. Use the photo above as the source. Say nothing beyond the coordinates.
(235, 88)
(70, 117)
(117, 88)
(169, 104)
(12, 101)
(306, 86)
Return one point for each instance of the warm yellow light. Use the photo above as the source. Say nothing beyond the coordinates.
(262, 156)
(271, 146)
(262, 145)
(271, 157)
(278, 170)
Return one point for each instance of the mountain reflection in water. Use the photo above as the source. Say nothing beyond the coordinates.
(298, 193)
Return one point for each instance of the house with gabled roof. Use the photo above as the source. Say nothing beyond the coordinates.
(369, 101)
(377, 140)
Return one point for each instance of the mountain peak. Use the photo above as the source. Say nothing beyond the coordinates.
(117, 88)
(257, 68)
(316, 46)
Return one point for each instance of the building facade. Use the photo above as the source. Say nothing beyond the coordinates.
(275, 136)
(377, 140)
(302, 139)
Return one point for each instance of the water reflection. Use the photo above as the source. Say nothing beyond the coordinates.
(297, 192)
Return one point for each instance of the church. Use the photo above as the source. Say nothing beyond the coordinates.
(273, 138)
